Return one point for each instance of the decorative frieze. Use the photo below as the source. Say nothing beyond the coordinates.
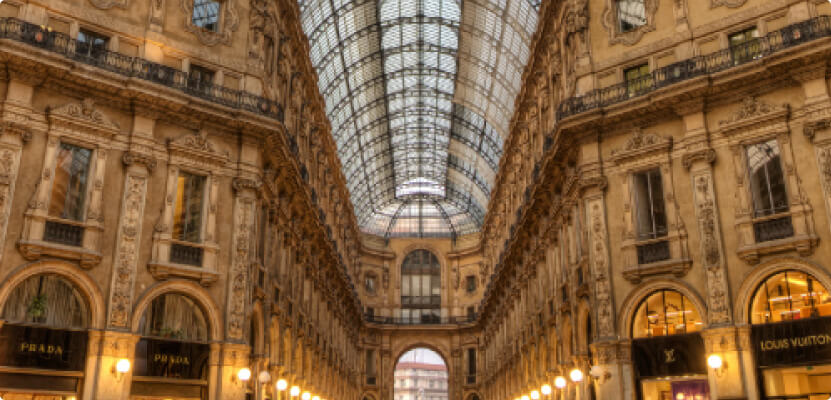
(599, 256)
(238, 279)
(718, 300)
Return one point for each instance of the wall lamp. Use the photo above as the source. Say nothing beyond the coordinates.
(121, 367)
(535, 395)
(546, 389)
(576, 375)
(599, 373)
(560, 382)
(306, 396)
(295, 391)
(282, 384)
(243, 375)
(717, 364)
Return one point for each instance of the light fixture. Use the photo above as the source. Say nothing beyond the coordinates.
(525, 397)
(717, 364)
(315, 397)
(123, 366)
(306, 396)
(560, 382)
(714, 361)
(599, 373)
(535, 395)
(546, 389)
(295, 391)
(576, 375)
(264, 377)
(282, 385)
(120, 368)
(244, 374)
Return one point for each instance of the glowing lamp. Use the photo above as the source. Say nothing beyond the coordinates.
(306, 396)
(282, 385)
(576, 375)
(524, 397)
(535, 395)
(560, 382)
(123, 366)
(714, 361)
(295, 391)
(244, 374)
(546, 389)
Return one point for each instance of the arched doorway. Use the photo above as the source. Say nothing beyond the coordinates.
(420, 374)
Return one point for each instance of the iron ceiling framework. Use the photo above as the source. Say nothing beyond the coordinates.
(420, 94)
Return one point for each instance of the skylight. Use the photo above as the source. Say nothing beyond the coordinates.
(419, 95)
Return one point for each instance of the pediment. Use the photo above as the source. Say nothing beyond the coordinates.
(196, 146)
(83, 116)
(753, 113)
(641, 144)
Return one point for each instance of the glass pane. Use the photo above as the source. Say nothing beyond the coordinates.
(187, 215)
(630, 14)
(767, 183)
(69, 187)
(206, 14)
(175, 316)
(789, 295)
(49, 300)
(643, 212)
(666, 312)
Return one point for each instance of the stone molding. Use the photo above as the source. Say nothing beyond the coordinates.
(228, 23)
(612, 25)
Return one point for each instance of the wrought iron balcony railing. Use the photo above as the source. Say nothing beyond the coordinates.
(773, 42)
(422, 320)
(38, 36)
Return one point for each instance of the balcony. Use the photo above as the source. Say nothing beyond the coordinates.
(60, 43)
(63, 233)
(773, 229)
(422, 320)
(751, 51)
(185, 254)
(653, 252)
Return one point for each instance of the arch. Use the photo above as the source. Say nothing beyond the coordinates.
(75, 275)
(258, 326)
(186, 288)
(423, 246)
(583, 316)
(474, 396)
(423, 345)
(755, 277)
(637, 295)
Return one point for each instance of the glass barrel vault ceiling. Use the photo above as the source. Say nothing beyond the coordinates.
(419, 94)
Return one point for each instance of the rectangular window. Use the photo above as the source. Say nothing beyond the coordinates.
(649, 205)
(90, 44)
(638, 79)
(744, 45)
(471, 361)
(471, 313)
(370, 363)
(630, 14)
(69, 188)
(767, 182)
(206, 14)
(470, 283)
(187, 214)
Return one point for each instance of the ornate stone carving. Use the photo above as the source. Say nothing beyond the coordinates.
(727, 3)
(240, 262)
(612, 25)
(599, 256)
(718, 303)
(155, 17)
(196, 146)
(810, 129)
(640, 144)
(228, 23)
(107, 4)
(126, 256)
(132, 157)
(707, 155)
(240, 184)
(751, 107)
(83, 117)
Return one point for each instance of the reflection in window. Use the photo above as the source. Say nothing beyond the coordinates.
(666, 312)
(69, 189)
(789, 295)
(744, 45)
(638, 79)
(630, 14)
(767, 182)
(206, 14)
(649, 200)
(49, 300)
(174, 316)
(187, 215)
(369, 284)
(420, 287)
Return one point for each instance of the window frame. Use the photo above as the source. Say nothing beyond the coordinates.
(655, 233)
(202, 212)
(619, 13)
(90, 173)
(92, 51)
(206, 3)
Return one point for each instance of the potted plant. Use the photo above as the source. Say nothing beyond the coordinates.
(37, 308)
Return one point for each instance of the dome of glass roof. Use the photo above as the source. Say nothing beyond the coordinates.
(419, 94)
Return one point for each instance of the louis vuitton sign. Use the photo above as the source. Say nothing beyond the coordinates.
(797, 342)
(669, 356)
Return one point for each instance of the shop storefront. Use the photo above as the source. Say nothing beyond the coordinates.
(667, 350)
(171, 360)
(43, 342)
(791, 337)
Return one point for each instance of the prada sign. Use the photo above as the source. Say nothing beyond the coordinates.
(38, 347)
(674, 355)
(171, 359)
(799, 342)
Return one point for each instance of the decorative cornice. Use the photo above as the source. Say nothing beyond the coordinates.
(85, 116)
(753, 111)
(241, 184)
(132, 157)
(640, 144)
(707, 155)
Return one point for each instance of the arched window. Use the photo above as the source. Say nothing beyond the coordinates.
(666, 312)
(174, 316)
(48, 300)
(421, 287)
(787, 296)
